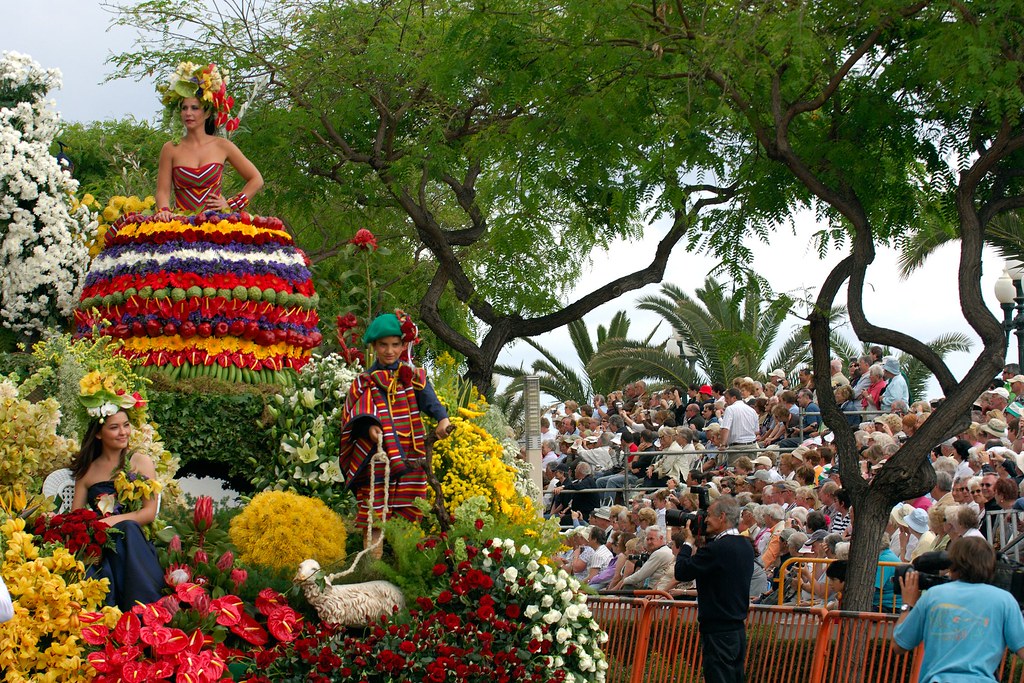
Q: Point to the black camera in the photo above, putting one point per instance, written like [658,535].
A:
[1009,575]
[927,565]
[638,559]
[698,519]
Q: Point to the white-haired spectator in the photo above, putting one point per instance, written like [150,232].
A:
[658,569]
[775,518]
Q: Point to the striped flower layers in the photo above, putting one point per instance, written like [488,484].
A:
[223,295]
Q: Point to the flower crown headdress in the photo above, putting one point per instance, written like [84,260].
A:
[207,83]
[104,392]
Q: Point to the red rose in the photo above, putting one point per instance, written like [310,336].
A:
[404,375]
[440,569]
[364,240]
[347,322]
[407,647]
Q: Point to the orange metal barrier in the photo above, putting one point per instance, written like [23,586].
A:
[809,593]
[1011,670]
[658,641]
[857,646]
[622,619]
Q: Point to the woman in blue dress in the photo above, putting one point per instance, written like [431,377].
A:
[132,566]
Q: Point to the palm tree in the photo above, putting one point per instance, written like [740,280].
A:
[576,380]
[1005,233]
[729,330]
[730,334]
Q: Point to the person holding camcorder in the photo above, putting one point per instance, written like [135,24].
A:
[965,624]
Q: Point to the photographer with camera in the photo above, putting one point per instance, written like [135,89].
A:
[722,567]
[656,571]
[965,624]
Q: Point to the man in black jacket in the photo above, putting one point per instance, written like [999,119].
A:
[722,567]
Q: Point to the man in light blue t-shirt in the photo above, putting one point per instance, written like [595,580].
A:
[966,624]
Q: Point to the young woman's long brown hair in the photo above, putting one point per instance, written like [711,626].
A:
[91,449]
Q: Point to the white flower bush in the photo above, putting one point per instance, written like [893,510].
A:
[555,607]
[307,431]
[43,252]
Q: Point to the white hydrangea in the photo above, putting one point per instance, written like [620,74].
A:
[43,253]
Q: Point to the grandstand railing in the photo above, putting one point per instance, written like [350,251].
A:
[658,641]
[1002,528]
[793,580]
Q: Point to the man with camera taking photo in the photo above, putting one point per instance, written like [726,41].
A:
[722,568]
[965,624]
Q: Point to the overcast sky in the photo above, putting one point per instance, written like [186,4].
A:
[73,35]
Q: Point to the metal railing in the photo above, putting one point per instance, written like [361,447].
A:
[1004,529]
[658,641]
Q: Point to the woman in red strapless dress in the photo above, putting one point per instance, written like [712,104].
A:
[191,170]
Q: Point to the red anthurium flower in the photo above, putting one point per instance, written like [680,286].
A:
[102,663]
[250,630]
[196,640]
[164,641]
[283,624]
[228,610]
[95,634]
[268,600]
[127,630]
[136,672]
[154,614]
[162,668]
[188,592]
[200,667]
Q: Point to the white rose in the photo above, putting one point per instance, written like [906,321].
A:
[567,596]
[547,601]
[560,585]
[532,566]
[572,611]
[509,544]
[530,612]
[562,635]
[552,617]
[510,574]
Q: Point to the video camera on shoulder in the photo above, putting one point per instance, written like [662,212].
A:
[928,567]
[698,519]
[1009,575]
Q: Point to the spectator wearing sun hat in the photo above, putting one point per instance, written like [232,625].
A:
[896,388]
[999,399]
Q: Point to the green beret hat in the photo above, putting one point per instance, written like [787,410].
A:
[384,325]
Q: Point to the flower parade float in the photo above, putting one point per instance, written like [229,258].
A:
[200,292]
[482,601]
[222,295]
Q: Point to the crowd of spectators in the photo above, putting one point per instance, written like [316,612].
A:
[616,468]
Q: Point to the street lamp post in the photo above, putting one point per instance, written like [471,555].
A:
[1010,294]
[682,350]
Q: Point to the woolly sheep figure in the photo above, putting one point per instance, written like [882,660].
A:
[355,604]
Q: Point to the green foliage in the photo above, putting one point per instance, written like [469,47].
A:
[304,434]
[213,433]
[730,330]
[114,157]
[414,558]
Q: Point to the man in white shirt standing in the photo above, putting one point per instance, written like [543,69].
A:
[739,424]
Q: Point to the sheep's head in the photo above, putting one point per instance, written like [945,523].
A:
[307,570]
